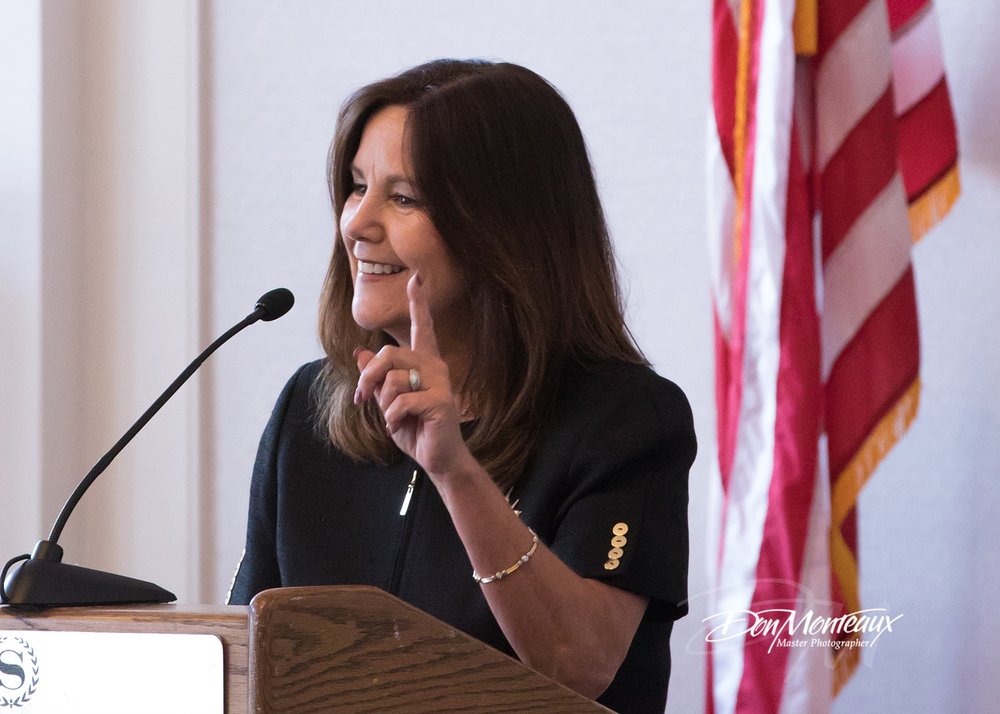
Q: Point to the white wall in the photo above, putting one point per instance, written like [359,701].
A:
[140,186]
[100,280]
[20,272]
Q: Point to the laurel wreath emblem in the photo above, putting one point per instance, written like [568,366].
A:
[23,698]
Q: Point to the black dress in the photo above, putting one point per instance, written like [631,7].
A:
[612,463]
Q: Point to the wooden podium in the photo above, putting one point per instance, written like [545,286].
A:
[337,648]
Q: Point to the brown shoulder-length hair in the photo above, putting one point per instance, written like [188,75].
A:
[503,172]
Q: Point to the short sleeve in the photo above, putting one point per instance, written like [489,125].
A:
[625,520]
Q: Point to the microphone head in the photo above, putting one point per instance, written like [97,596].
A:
[275,303]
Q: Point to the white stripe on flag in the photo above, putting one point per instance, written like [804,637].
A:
[917,61]
[853,75]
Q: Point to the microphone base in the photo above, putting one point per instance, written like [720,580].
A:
[50,583]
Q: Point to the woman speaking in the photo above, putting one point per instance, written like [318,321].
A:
[483,438]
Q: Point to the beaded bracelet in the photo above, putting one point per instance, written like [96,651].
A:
[499,575]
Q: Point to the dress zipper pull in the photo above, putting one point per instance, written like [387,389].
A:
[409,494]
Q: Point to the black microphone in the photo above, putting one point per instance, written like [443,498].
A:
[273,304]
[43,579]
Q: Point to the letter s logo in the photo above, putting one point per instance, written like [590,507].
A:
[10,669]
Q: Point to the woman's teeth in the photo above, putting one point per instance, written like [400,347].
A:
[378,268]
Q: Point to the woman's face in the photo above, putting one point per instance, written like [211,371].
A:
[389,236]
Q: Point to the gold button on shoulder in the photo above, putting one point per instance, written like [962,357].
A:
[611,564]
[619,541]
[615,553]
[620,529]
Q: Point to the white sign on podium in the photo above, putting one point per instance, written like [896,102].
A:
[109,672]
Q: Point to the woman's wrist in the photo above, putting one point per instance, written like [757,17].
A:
[464,472]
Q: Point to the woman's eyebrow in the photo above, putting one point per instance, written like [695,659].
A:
[387,180]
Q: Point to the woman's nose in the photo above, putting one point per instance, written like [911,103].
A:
[360,219]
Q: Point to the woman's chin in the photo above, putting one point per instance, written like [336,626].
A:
[382,323]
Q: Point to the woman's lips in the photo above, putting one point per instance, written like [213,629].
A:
[378,268]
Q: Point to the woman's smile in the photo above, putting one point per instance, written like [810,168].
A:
[368,268]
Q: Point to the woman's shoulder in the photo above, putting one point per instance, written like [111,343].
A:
[300,384]
[619,406]
[297,398]
[307,373]
[611,385]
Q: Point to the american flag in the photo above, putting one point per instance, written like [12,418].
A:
[833,150]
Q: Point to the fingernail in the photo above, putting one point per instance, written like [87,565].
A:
[356,352]
[357,395]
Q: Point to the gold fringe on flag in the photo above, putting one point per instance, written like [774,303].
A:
[845,569]
[879,442]
[740,126]
[934,204]
[805,28]
[846,489]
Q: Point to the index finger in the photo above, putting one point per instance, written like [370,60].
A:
[422,337]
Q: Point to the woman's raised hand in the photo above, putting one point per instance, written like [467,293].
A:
[413,390]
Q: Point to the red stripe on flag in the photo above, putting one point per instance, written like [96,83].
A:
[726,413]
[872,373]
[902,11]
[724,69]
[836,17]
[927,145]
[864,164]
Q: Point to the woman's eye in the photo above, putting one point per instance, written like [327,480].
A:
[358,189]
[405,201]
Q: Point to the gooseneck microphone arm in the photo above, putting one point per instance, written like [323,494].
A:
[260,313]
[270,306]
